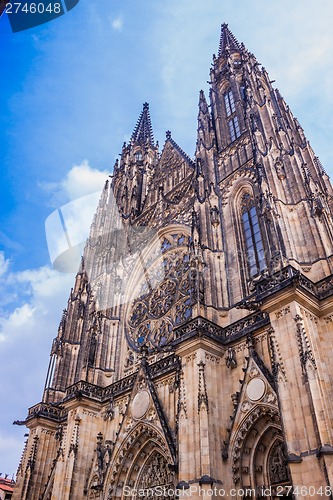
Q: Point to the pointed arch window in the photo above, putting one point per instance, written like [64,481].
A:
[234,128]
[138,156]
[229,103]
[230,108]
[255,252]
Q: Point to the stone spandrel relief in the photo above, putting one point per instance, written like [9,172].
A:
[156,477]
[277,466]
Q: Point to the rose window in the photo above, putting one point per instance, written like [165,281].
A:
[166,296]
[162,298]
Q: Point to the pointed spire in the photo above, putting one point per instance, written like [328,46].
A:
[205,137]
[227,40]
[143,131]
[203,106]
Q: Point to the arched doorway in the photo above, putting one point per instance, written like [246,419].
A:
[259,456]
[143,462]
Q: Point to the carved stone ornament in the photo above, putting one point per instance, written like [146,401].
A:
[165,296]
[156,473]
[280,171]
[278,472]
[230,360]
[140,404]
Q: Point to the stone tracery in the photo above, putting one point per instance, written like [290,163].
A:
[166,296]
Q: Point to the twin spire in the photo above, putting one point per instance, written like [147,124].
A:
[143,132]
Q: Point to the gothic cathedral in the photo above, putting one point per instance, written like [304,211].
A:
[194,357]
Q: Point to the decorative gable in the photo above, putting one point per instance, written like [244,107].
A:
[255,436]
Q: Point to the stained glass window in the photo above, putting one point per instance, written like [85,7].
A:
[229,103]
[168,301]
[230,109]
[234,128]
[252,235]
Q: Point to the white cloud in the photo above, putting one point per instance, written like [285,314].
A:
[31,303]
[67,228]
[21,317]
[38,294]
[4,263]
[117,24]
[27,326]
[82,180]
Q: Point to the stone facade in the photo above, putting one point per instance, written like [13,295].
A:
[195,349]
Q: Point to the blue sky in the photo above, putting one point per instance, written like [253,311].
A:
[71,92]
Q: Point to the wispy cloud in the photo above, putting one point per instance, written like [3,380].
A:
[80,180]
[31,302]
[27,327]
[9,242]
[117,24]
[4,263]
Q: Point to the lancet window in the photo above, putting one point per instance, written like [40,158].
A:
[255,253]
[230,108]
[138,156]
[229,103]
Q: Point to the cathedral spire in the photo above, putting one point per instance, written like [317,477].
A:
[203,107]
[227,41]
[205,130]
[135,168]
[143,132]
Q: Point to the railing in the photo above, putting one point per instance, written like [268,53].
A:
[47,410]
[163,366]
[289,275]
[83,388]
[203,327]
[247,325]
[199,324]
[101,394]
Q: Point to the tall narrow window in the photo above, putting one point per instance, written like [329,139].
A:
[229,103]
[252,235]
[230,109]
[138,156]
[234,128]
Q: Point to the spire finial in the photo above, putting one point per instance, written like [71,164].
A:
[143,131]
[227,40]
[203,106]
